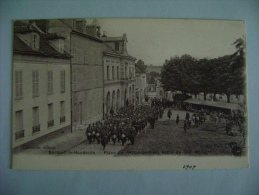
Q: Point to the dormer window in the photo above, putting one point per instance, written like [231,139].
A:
[35,41]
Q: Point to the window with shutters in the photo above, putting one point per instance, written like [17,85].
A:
[18,84]
[118,72]
[126,73]
[35,83]
[19,131]
[74,81]
[35,41]
[50,82]
[62,81]
[50,115]
[62,112]
[108,73]
[35,120]
[113,73]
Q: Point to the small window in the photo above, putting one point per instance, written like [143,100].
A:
[62,112]
[108,74]
[62,81]
[35,41]
[50,115]
[50,82]
[35,83]
[113,77]
[19,131]
[35,120]
[18,84]
[74,82]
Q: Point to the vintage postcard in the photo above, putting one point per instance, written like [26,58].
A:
[129,94]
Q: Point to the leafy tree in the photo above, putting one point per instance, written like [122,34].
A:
[140,65]
[223,75]
[179,74]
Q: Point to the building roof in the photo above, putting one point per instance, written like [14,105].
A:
[22,27]
[86,35]
[111,39]
[114,39]
[230,106]
[45,49]
[52,36]
[110,51]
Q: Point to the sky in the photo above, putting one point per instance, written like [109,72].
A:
[154,40]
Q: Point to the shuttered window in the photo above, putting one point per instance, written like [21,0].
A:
[50,82]
[35,83]
[62,81]
[18,84]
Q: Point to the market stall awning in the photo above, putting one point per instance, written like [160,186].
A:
[229,106]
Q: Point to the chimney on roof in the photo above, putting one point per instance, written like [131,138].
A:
[104,34]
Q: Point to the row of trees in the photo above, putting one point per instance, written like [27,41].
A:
[223,75]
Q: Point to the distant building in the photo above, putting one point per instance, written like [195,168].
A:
[151,68]
[119,73]
[141,87]
[41,84]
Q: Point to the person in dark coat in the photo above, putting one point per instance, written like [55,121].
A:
[112,112]
[169,114]
[185,125]
[187,116]
[177,119]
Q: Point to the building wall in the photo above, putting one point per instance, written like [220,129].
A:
[27,64]
[87,80]
[141,86]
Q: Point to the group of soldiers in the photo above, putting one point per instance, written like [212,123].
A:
[123,126]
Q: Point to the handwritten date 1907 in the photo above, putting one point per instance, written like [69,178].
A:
[189,167]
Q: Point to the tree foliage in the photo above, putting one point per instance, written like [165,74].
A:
[223,75]
[140,65]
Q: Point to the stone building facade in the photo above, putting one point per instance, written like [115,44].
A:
[119,74]
[86,47]
[41,84]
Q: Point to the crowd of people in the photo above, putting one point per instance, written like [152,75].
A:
[125,125]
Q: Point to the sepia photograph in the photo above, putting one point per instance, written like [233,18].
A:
[129,94]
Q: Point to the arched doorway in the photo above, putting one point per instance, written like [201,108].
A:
[113,101]
[130,95]
[108,103]
[125,96]
[118,99]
